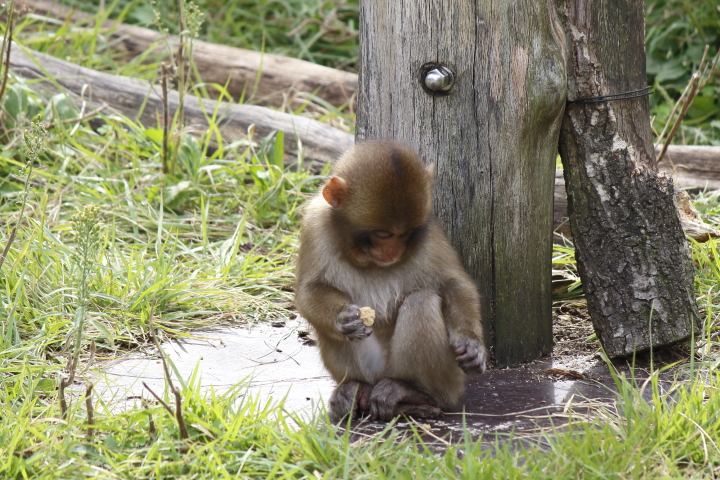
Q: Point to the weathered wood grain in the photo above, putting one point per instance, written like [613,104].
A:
[693,165]
[141,100]
[493,141]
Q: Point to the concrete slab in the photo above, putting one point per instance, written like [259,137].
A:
[274,360]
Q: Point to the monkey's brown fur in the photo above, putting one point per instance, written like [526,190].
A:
[369,239]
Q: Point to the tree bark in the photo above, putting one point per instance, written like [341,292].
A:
[262,78]
[630,248]
[142,101]
[492,140]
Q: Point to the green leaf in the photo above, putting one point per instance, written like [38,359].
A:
[63,108]
[702,106]
[46,384]
[104,296]
[143,14]
[103,330]
[279,154]
[14,102]
[154,134]
[670,70]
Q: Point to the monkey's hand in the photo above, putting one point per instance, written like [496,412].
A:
[470,354]
[350,324]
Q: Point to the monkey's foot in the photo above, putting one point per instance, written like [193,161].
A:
[418,411]
[388,394]
[349,398]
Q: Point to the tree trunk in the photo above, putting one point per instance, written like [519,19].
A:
[492,139]
[631,252]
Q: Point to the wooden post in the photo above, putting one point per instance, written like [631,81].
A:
[631,251]
[493,140]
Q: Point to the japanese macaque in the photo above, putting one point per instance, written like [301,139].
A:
[369,239]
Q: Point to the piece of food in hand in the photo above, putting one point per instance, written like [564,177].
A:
[367,315]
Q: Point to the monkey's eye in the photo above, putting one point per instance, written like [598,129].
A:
[382,234]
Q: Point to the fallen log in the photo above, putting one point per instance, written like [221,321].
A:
[279,76]
[138,99]
[692,224]
[692,167]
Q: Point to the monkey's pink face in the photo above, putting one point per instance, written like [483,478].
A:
[387,247]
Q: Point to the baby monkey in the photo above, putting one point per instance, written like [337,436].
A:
[369,239]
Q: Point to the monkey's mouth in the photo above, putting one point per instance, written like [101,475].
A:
[384,257]
[385,264]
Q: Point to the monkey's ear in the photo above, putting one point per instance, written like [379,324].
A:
[430,169]
[335,191]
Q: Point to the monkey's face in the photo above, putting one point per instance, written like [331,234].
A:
[382,247]
[374,230]
[380,196]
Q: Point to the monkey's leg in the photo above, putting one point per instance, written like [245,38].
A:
[349,398]
[355,366]
[423,368]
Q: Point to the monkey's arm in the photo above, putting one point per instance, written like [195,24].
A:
[330,311]
[461,312]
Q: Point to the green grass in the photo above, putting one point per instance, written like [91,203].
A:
[315,30]
[232,434]
[212,244]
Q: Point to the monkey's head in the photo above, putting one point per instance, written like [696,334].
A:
[381,195]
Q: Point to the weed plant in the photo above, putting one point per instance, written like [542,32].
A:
[676,35]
